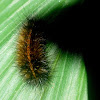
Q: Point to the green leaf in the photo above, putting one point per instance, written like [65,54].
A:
[69,78]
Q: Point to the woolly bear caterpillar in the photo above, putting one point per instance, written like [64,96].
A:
[31,54]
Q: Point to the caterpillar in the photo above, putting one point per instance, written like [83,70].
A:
[31,53]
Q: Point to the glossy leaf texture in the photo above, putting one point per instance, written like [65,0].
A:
[69,78]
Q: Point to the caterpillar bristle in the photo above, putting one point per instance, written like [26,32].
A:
[31,53]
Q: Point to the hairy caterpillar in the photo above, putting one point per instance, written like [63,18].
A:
[31,53]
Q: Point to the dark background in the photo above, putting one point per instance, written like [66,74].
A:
[74,30]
